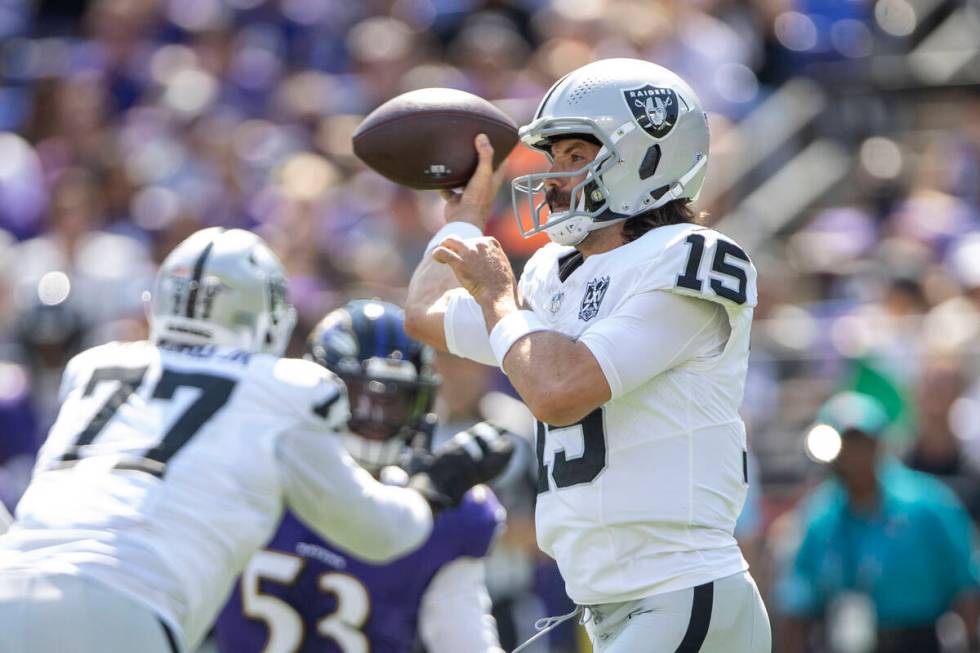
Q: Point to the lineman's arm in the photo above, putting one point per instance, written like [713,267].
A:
[455,610]
[431,284]
[344,503]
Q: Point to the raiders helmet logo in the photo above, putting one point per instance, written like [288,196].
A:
[654,109]
[595,290]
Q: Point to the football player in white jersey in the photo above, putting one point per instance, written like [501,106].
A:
[628,338]
[171,461]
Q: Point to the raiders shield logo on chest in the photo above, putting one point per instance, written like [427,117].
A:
[595,290]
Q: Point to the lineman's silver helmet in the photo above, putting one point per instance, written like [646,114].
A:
[222,287]
[654,138]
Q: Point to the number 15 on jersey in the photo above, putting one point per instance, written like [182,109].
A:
[567,462]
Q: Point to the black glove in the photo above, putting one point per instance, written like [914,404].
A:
[474,456]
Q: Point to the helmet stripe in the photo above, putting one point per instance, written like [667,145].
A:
[196,278]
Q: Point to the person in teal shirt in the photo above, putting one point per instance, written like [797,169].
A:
[885,550]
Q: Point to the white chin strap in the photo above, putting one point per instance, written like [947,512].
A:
[573,231]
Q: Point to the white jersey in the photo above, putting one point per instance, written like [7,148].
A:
[641,496]
[168,467]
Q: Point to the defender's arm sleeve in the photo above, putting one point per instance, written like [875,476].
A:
[466,330]
[344,504]
[653,332]
[455,611]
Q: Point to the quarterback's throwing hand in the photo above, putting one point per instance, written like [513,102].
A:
[480,266]
[474,203]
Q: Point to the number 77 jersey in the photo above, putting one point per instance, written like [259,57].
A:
[641,496]
[160,478]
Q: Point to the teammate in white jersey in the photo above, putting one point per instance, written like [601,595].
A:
[628,338]
[171,461]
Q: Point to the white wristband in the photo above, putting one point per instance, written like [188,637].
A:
[458,229]
[511,329]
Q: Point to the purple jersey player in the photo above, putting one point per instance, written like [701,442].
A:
[305,595]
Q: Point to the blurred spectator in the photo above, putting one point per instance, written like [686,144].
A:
[937,449]
[885,551]
[95,263]
[18,433]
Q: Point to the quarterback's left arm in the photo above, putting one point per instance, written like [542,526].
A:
[455,611]
[431,289]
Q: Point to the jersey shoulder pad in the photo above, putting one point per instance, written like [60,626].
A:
[698,262]
[111,354]
[475,523]
[310,391]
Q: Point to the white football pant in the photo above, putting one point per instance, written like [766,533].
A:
[725,616]
[60,613]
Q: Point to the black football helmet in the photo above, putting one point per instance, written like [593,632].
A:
[390,379]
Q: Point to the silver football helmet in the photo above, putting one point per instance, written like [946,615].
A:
[654,146]
[222,287]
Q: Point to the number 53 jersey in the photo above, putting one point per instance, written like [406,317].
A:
[640,497]
[306,595]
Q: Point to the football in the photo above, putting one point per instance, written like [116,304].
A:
[424,139]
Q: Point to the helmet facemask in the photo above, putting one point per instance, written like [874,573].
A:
[274,328]
[588,207]
[387,412]
[391,383]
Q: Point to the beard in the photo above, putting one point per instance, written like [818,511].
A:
[558,200]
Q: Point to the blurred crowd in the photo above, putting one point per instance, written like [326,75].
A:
[127,124]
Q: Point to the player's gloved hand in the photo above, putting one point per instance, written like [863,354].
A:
[473,456]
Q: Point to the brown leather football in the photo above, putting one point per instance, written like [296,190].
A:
[424,139]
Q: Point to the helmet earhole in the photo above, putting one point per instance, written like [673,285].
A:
[650,162]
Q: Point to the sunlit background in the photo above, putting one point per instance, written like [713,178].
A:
[845,160]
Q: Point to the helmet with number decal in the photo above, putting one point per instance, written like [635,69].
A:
[653,136]
[391,383]
[222,287]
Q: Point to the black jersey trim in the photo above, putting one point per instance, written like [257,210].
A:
[568,264]
[171,640]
